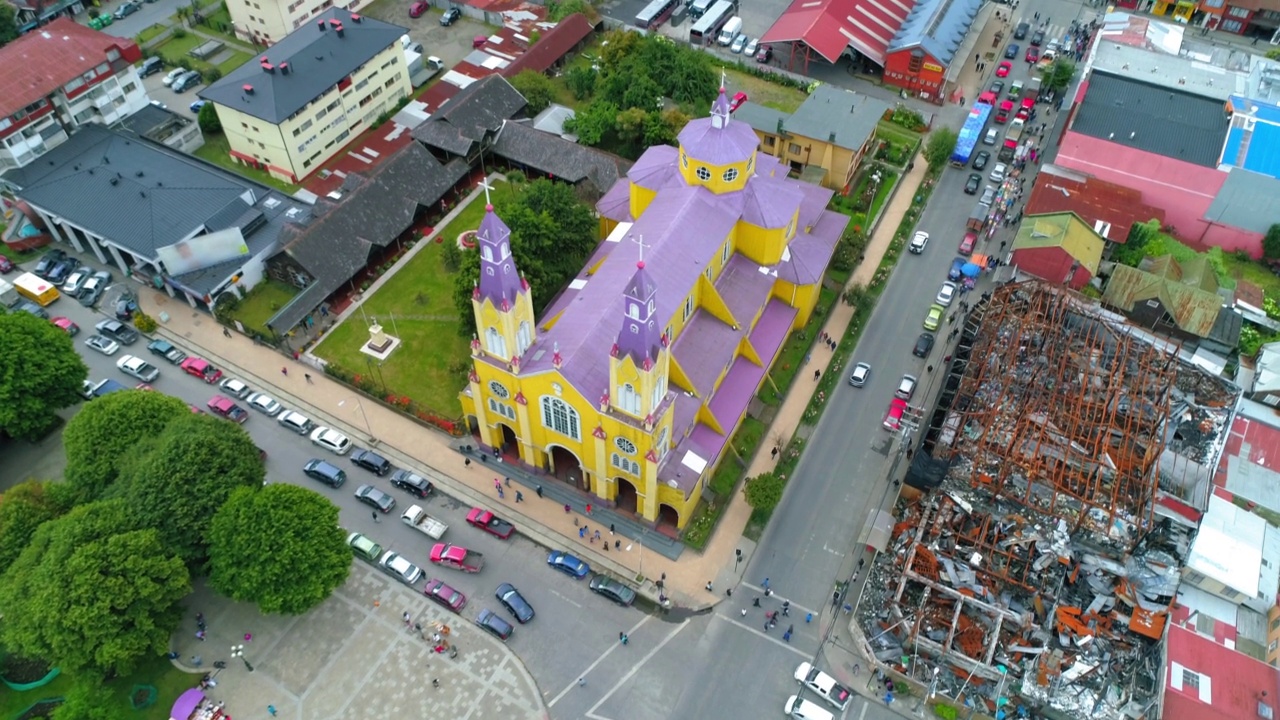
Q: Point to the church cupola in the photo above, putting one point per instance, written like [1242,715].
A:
[717,153]
[500,284]
[639,359]
[501,301]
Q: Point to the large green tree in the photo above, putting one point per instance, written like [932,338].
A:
[8,23]
[536,88]
[40,372]
[89,699]
[1271,243]
[108,430]
[25,507]
[593,123]
[279,547]
[939,146]
[185,475]
[93,592]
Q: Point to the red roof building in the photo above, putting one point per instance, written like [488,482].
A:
[59,77]
[1205,680]
[827,27]
[1108,208]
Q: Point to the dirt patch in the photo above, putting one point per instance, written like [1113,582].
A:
[40,710]
[20,670]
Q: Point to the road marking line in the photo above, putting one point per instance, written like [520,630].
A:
[768,637]
[794,606]
[562,597]
[635,668]
[600,659]
[863,714]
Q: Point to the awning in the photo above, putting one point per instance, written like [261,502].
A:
[879,529]
[186,704]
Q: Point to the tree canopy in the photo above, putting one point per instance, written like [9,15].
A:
[939,146]
[40,372]
[89,699]
[92,592]
[1271,243]
[105,432]
[279,547]
[185,475]
[552,234]
[536,88]
[8,23]
[23,508]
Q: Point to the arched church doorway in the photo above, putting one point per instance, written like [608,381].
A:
[668,517]
[628,500]
[566,466]
[510,447]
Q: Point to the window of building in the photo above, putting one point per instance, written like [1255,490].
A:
[390,81]
[793,148]
[1238,12]
[629,466]
[625,445]
[730,175]
[661,449]
[688,307]
[659,391]
[495,343]
[704,174]
[684,160]
[916,63]
[1272,647]
[707,273]
[559,416]
[751,163]
[502,409]
[629,399]
[770,141]
[791,229]
[1190,679]
[724,253]
[128,88]
[498,390]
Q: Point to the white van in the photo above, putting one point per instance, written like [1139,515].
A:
[804,710]
[730,31]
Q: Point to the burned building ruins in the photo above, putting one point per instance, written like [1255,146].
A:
[1039,551]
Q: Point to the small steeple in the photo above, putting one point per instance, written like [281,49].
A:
[720,109]
[500,283]
[640,336]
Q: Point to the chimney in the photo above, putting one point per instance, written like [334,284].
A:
[337,27]
[356,18]
[248,89]
[284,68]
[268,67]
[323,27]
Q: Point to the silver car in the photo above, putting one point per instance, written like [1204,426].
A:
[235,388]
[397,567]
[102,345]
[264,404]
[861,372]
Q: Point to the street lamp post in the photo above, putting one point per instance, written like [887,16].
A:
[360,407]
[237,651]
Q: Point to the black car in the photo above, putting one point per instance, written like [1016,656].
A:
[117,331]
[166,350]
[612,589]
[1037,38]
[971,185]
[997,87]
[325,472]
[924,344]
[514,602]
[495,625]
[1011,51]
[151,66]
[450,16]
[27,306]
[415,485]
[126,306]
[371,461]
[58,273]
[47,263]
[981,160]
[1021,31]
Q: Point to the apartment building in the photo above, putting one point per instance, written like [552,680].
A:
[59,77]
[299,102]
[266,22]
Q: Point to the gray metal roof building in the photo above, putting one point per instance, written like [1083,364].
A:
[304,65]
[841,117]
[937,27]
[1247,200]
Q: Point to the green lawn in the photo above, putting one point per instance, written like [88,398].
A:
[1252,271]
[159,673]
[176,49]
[896,133]
[149,32]
[763,92]
[233,61]
[216,150]
[415,304]
[262,303]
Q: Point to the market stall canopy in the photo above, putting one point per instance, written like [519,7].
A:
[970,270]
[186,704]
[879,529]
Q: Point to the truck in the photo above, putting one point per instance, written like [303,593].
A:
[490,523]
[418,519]
[457,557]
[108,386]
[971,133]
[1011,138]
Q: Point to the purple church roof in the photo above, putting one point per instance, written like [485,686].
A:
[499,281]
[641,333]
[770,202]
[656,169]
[718,140]
[616,204]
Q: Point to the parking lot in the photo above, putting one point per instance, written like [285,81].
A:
[450,44]
[756,16]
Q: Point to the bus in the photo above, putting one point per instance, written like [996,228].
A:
[36,289]
[704,31]
[971,133]
[656,13]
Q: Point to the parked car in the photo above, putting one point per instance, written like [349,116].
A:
[991,136]
[918,242]
[296,421]
[27,306]
[66,325]
[998,172]
[1020,32]
[117,331]
[201,368]
[612,589]
[264,404]
[137,367]
[490,523]
[418,8]
[924,344]
[933,318]
[375,498]
[493,624]
[75,282]
[394,564]
[1002,70]
[166,350]
[861,373]
[127,8]
[102,345]
[946,294]
[953,272]
[752,47]
[235,388]
[60,272]
[227,408]
[6,265]
[445,595]
[415,485]
[966,245]
[1011,51]
[739,43]
[364,547]
[450,16]
[988,195]
[189,80]
[1037,38]
[173,76]
[906,387]
[997,87]
[324,471]
[49,261]
[971,185]
[568,564]
[823,685]
[151,66]
[514,602]
[764,54]
[331,440]
[981,159]
[196,106]
[371,461]
[93,288]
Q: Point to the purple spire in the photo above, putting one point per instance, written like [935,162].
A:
[499,281]
[720,110]
[640,336]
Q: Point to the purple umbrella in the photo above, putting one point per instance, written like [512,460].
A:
[970,270]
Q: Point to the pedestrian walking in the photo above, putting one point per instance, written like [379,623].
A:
[200,635]
[744,612]
[466,462]
[596,536]
[617,544]
[588,508]
[567,509]
[284,371]
[773,454]
[271,709]
[709,586]
[501,495]
[786,636]
[375,516]
[768,592]
[538,490]
[817,374]
[196,660]
[808,618]
[610,528]
[307,377]
[582,532]
[728,592]
[582,682]
[248,637]
[755,602]
[407,619]
[226,333]
[497,484]
[435,683]
[507,481]
[519,496]
[786,607]
[606,546]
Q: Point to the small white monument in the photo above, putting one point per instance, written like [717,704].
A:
[380,344]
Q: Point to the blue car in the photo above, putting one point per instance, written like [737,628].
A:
[195,106]
[956,264]
[568,564]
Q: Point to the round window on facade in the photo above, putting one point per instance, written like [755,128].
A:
[625,445]
[498,390]
[730,175]
[704,174]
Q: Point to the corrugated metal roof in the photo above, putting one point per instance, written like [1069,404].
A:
[1247,200]
[829,26]
[1180,289]
[1108,208]
[938,27]
[1063,230]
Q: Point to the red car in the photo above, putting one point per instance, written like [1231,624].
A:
[64,324]
[445,595]
[224,406]
[417,9]
[1033,54]
[1002,70]
[966,245]
[6,265]
[196,367]
[490,523]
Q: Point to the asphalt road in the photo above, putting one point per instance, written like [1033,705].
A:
[573,627]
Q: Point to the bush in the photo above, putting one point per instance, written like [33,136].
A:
[938,149]
[907,118]
[208,119]
[764,491]
[212,75]
[179,33]
[144,322]
[581,81]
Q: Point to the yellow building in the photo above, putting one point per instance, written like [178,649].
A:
[266,22]
[633,381]
[300,102]
[825,139]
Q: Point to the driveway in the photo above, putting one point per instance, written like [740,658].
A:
[177,102]
[450,44]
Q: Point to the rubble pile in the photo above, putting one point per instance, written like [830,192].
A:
[1037,569]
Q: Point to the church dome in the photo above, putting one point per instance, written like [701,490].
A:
[718,140]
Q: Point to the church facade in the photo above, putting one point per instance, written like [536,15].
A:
[634,380]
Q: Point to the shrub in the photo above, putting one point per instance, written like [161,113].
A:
[212,75]
[179,33]
[907,118]
[144,322]
[764,491]
[208,119]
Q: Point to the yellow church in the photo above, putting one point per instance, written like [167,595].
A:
[635,379]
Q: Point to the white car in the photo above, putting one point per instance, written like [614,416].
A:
[331,440]
[264,404]
[296,422]
[137,367]
[751,48]
[173,75]
[75,281]
[906,387]
[805,710]
[397,567]
[823,685]
[739,43]
[998,172]
[102,345]
[235,388]
[918,242]
[861,372]
[946,294]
